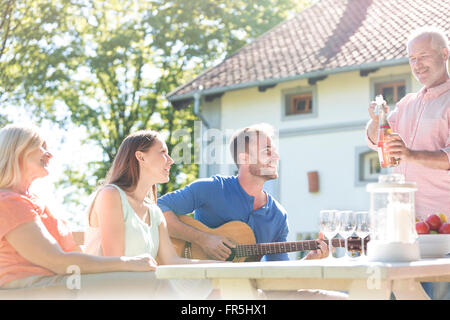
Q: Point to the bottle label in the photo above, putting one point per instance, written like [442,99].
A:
[386,126]
[380,155]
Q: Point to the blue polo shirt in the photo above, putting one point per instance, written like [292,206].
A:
[221,199]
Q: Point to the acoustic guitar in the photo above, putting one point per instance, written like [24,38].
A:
[246,248]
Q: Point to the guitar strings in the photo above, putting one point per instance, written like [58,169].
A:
[246,250]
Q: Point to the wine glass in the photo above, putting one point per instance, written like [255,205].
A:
[347,225]
[328,226]
[362,228]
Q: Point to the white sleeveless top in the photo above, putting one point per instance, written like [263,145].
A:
[140,238]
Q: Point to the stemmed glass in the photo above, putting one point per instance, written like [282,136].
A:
[329,228]
[362,228]
[347,225]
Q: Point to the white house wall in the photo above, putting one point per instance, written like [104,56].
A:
[332,155]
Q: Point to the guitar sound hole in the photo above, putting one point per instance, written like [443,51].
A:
[232,255]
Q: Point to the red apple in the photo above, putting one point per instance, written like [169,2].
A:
[445,228]
[434,221]
[422,227]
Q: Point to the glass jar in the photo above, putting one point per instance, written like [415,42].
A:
[392,219]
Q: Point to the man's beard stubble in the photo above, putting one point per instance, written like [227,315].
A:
[258,170]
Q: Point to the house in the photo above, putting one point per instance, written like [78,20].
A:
[312,78]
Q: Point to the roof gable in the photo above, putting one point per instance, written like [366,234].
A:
[330,36]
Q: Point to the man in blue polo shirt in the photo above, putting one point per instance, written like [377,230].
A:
[220,199]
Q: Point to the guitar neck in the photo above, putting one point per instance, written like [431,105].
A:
[260,249]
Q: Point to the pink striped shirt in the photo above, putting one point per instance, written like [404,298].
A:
[422,119]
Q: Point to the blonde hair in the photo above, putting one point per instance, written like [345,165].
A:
[16,142]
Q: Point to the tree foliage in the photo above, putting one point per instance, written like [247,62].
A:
[29,53]
[108,65]
[3,121]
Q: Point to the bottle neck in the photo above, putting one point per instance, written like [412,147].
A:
[382,118]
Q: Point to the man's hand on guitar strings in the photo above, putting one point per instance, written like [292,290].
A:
[217,247]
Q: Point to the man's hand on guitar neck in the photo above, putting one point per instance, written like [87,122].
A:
[320,253]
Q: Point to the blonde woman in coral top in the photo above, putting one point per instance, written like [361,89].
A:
[37,249]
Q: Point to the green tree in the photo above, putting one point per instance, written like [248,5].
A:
[30,53]
[108,65]
[3,121]
[6,7]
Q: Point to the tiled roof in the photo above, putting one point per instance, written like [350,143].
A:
[331,35]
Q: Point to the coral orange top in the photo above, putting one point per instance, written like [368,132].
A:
[15,210]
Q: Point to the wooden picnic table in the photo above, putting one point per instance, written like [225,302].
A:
[361,279]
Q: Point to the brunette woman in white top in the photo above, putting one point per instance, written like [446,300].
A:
[124,219]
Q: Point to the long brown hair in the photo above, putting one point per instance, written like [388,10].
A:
[124,171]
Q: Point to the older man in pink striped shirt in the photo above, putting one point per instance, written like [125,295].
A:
[421,122]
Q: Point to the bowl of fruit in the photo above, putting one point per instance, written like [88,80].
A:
[434,236]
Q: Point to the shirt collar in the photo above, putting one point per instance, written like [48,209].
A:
[251,199]
[236,179]
[437,91]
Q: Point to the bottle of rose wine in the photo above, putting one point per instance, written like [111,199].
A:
[383,131]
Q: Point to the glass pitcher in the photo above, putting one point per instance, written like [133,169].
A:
[392,220]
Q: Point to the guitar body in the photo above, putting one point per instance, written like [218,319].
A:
[238,232]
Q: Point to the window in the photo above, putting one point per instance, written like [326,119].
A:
[367,166]
[299,102]
[370,167]
[391,91]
